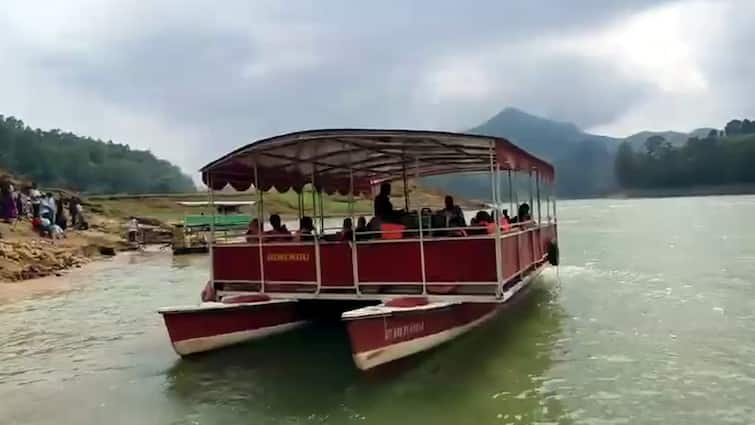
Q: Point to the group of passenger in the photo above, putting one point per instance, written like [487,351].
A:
[387,219]
[279,232]
[388,223]
[306,232]
[46,212]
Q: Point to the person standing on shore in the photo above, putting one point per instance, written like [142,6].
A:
[133,230]
[36,198]
[48,207]
[73,211]
[60,217]
[8,211]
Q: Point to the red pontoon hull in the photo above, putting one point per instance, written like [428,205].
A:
[214,325]
[382,334]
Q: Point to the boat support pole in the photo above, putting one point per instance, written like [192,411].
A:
[421,236]
[318,271]
[539,205]
[354,263]
[260,219]
[406,187]
[211,240]
[495,168]
[511,196]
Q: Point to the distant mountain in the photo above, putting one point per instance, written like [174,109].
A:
[583,161]
[541,136]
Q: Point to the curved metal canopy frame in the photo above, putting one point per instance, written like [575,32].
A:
[331,158]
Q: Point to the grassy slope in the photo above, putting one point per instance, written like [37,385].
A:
[164,207]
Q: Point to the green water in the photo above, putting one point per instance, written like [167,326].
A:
[651,320]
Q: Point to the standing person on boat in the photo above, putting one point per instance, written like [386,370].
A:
[453,212]
[133,230]
[383,206]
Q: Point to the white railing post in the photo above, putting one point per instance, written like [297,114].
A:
[354,258]
[318,272]
[512,207]
[261,223]
[421,236]
[211,240]
[494,170]
[539,205]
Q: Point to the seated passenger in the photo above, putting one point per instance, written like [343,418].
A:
[347,231]
[306,229]
[483,218]
[253,231]
[278,229]
[453,211]
[361,228]
[505,221]
[480,221]
[524,214]
[373,226]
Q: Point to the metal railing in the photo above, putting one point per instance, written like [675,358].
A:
[420,236]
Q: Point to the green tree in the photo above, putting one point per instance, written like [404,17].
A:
[63,159]
[626,168]
[733,127]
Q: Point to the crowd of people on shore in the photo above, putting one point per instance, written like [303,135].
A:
[388,223]
[49,216]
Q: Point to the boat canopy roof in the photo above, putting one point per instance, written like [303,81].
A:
[216,203]
[331,158]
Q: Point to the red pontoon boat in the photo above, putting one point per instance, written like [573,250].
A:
[416,280]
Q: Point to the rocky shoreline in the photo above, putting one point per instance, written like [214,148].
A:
[30,259]
[25,255]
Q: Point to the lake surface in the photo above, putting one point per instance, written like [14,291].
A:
[650,320]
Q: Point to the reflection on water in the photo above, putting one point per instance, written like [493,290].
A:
[309,374]
[648,321]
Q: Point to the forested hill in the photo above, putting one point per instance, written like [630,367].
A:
[720,158]
[57,159]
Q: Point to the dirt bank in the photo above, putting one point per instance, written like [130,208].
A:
[25,255]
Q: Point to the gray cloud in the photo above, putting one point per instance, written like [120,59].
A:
[193,80]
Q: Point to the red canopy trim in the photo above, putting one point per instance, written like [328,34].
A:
[330,158]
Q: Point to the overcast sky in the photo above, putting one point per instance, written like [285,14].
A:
[191,80]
